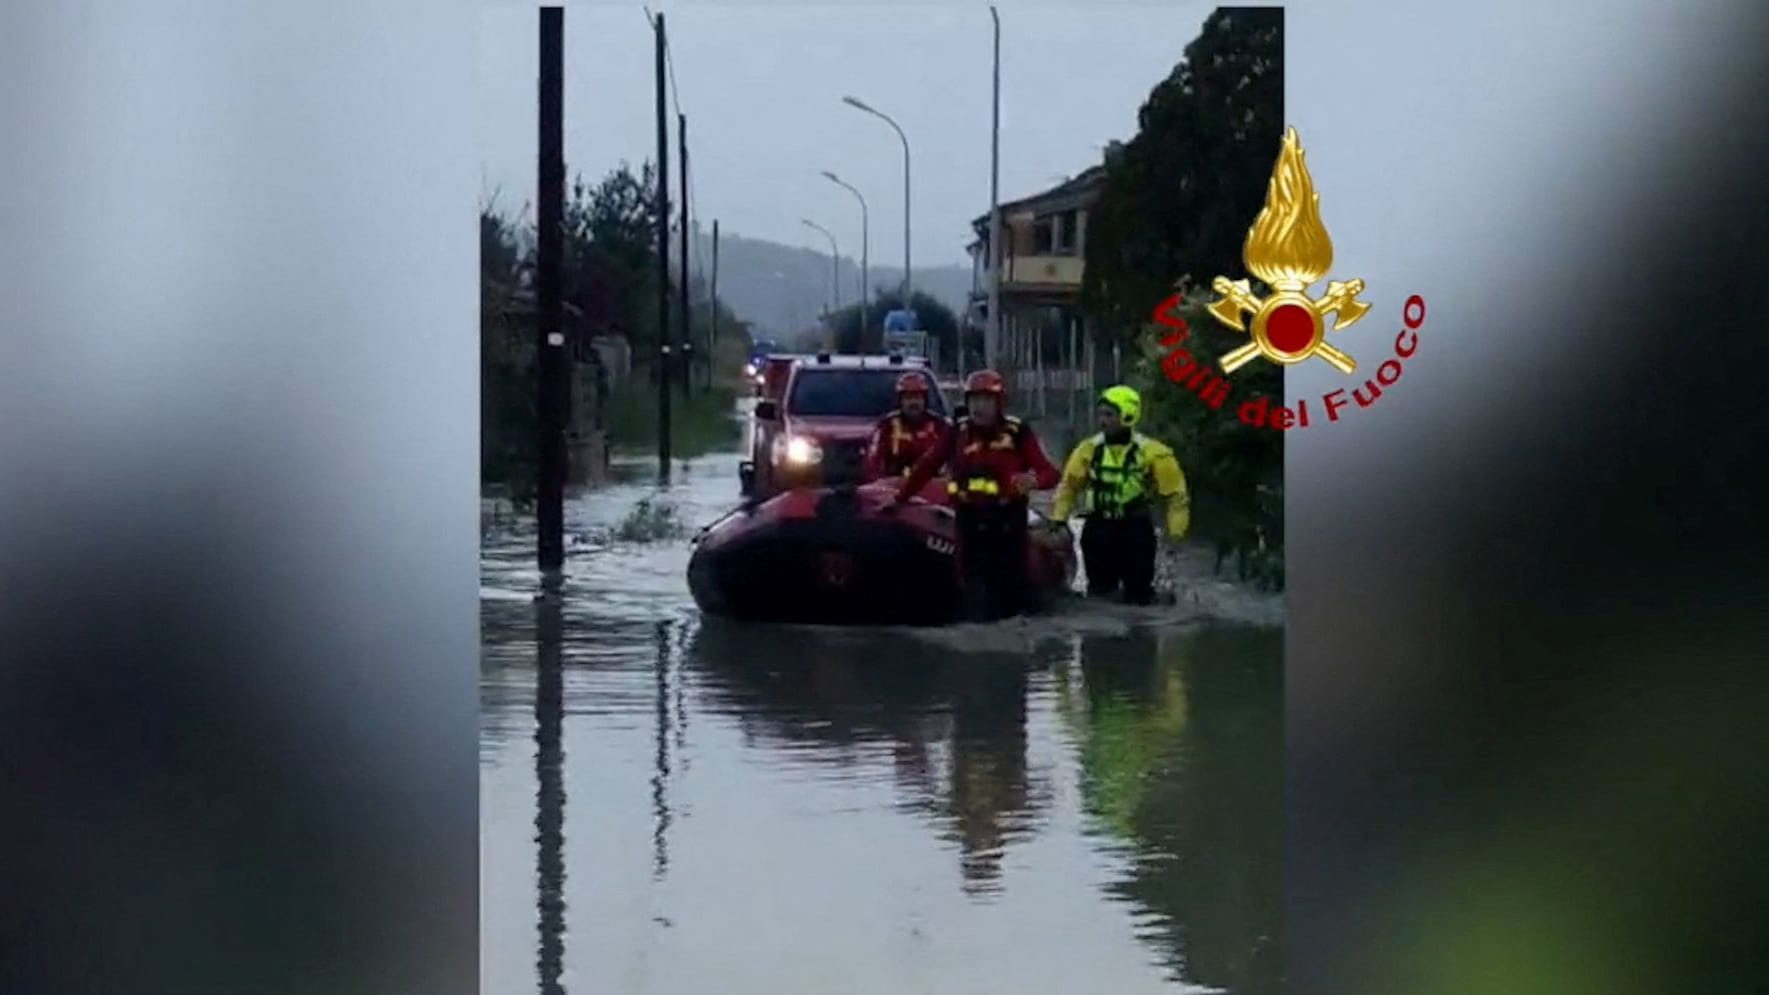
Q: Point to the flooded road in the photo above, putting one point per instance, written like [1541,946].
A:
[1089,802]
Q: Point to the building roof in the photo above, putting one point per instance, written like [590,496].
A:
[1075,189]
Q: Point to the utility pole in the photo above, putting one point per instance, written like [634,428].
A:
[712,344]
[834,303]
[992,332]
[686,318]
[663,265]
[553,385]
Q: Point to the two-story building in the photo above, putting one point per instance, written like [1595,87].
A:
[1044,243]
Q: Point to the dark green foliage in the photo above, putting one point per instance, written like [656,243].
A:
[1179,196]
[611,256]
[1235,470]
[936,319]
[507,414]
[1175,205]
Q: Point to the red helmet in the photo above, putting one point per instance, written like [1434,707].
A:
[985,382]
[911,383]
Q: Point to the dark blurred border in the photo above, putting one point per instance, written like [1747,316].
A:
[238,631]
[1526,696]
[238,571]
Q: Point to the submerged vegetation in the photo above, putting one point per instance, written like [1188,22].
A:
[652,519]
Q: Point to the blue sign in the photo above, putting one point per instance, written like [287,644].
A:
[901,320]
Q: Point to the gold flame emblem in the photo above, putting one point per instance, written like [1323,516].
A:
[1288,249]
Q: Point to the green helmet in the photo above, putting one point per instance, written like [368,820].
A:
[1126,400]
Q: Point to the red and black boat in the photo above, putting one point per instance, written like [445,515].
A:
[830,555]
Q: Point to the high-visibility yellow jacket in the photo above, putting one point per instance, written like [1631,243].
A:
[1111,478]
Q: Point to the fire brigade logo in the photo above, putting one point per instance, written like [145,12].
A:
[1288,249]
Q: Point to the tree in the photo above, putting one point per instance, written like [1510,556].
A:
[506,360]
[611,256]
[609,264]
[1178,197]
[1175,206]
[936,319]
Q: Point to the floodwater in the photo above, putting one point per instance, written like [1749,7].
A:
[1087,802]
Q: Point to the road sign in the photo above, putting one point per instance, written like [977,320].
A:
[900,320]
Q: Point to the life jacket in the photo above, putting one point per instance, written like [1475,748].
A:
[904,444]
[1117,478]
[985,461]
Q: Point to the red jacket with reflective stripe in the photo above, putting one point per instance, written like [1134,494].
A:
[998,453]
[897,444]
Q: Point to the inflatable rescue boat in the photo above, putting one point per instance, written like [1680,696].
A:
[830,555]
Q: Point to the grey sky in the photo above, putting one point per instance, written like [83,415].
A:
[762,87]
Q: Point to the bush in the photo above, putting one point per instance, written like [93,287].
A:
[651,520]
[1235,472]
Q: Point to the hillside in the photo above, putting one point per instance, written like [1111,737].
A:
[780,288]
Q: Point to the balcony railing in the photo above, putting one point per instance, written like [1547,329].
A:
[1037,271]
[1026,381]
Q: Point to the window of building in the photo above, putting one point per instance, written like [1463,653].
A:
[1044,236]
[1068,233]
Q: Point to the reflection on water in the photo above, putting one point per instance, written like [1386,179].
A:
[955,729]
[549,818]
[782,810]
[660,857]
[1180,748]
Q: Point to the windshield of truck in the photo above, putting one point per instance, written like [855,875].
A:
[852,393]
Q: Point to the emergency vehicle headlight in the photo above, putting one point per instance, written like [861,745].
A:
[749,369]
[796,450]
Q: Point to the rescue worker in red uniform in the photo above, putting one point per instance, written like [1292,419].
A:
[905,435]
[993,463]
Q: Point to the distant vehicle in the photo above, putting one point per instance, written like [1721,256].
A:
[759,350]
[814,433]
[770,385]
[770,377]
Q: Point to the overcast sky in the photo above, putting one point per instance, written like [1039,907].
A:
[762,87]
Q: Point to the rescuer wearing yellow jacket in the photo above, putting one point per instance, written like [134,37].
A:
[1120,474]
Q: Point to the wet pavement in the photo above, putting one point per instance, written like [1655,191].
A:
[1086,802]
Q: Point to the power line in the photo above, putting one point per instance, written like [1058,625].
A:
[694,213]
[697,260]
[669,61]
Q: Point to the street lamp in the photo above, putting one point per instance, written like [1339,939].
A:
[834,266]
[992,333]
[865,242]
[859,104]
